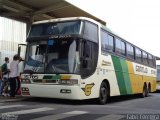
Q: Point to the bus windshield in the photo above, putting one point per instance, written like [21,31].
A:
[53,56]
[55,28]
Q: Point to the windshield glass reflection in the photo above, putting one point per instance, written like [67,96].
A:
[54,56]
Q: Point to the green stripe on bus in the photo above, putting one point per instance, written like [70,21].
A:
[47,76]
[56,77]
[52,77]
[126,76]
[119,75]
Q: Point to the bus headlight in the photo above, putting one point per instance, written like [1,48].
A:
[69,82]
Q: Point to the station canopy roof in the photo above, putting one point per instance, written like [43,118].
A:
[37,10]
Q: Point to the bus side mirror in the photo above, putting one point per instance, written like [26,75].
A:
[86,55]
[19,50]
[84,63]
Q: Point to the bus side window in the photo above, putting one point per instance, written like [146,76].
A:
[130,51]
[145,57]
[106,41]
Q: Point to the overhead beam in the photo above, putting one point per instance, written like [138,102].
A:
[10,8]
[13,14]
[15,5]
[56,6]
[15,9]
[27,15]
[48,16]
[19,10]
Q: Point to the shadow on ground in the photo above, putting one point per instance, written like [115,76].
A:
[158,91]
[84,102]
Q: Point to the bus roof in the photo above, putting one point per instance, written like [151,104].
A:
[91,20]
[67,19]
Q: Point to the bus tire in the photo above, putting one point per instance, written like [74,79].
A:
[145,91]
[149,88]
[103,93]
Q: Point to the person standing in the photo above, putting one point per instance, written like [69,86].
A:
[18,83]
[0,78]
[13,74]
[5,74]
[0,73]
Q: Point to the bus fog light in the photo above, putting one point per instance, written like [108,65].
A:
[25,89]
[25,81]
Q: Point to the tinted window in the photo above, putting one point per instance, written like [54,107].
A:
[145,60]
[123,48]
[154,62]
[120,47]
[55,28]
[130,51]
[138,55]
[91,31]
[150,60]
[107,41]
[111,42]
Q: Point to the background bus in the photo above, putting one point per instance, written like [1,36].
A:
[158,78]
[78,58]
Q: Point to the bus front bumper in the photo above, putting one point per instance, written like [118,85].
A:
[53,91]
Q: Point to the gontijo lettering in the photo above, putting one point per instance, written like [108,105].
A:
[141,69]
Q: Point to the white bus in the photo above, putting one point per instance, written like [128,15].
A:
[78,58]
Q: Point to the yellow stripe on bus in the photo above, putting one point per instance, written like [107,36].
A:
[131,75]
[65,77]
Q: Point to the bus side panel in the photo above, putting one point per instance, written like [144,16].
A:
[132,76]
[123,78]
[139,83]
[126,76]
[143,74]
[153,84]
[107,72]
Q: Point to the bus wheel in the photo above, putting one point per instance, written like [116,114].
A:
[149,88]
[145,91]
[103,94]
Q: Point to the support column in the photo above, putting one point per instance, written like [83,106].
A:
[29,23]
